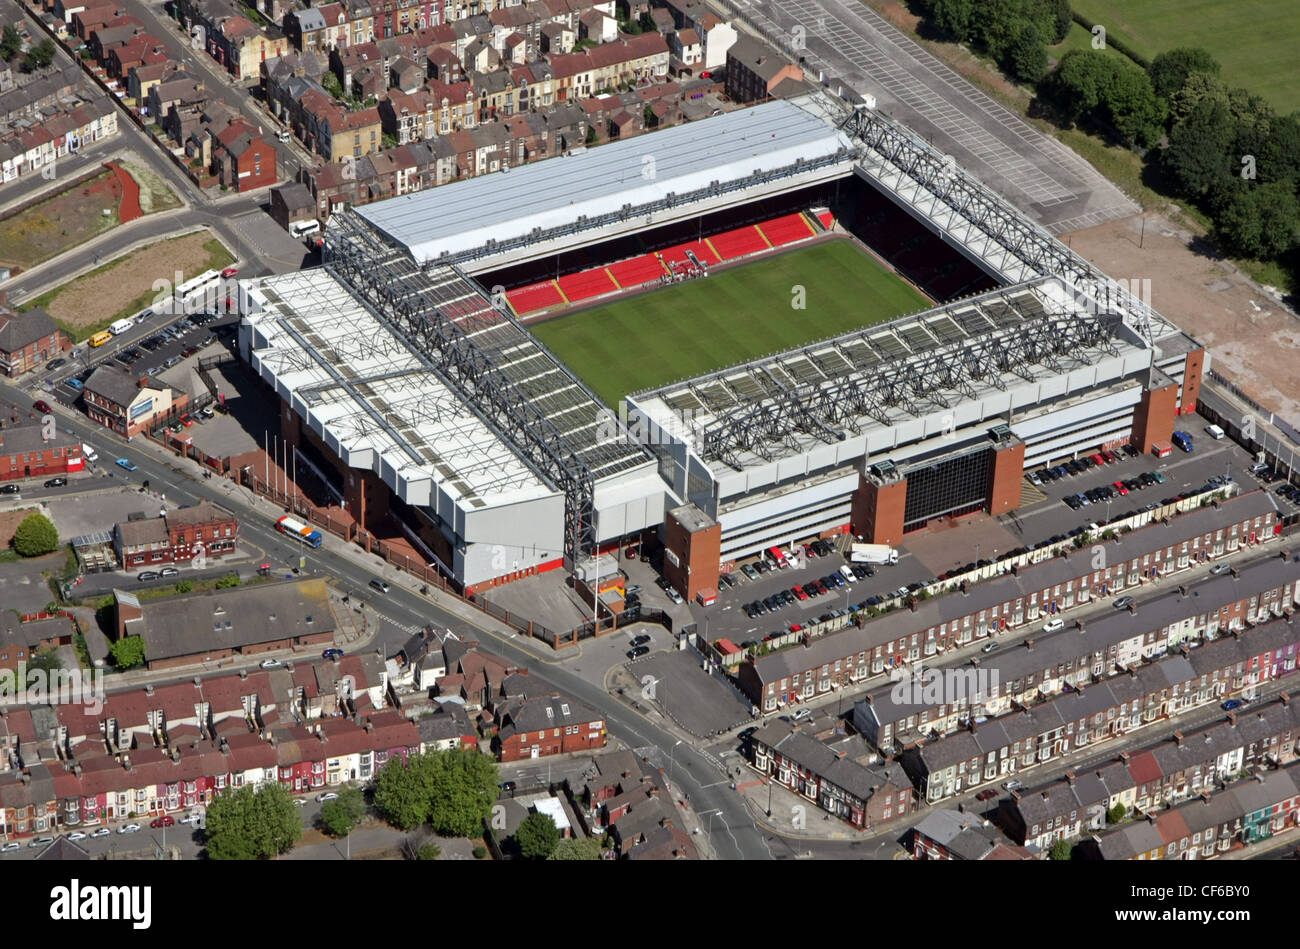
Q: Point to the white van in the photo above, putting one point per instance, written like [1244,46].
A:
[847,573]
[303,228]
[89,453]
[121,326]
[1214,431]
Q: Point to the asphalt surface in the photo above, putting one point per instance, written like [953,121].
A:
[735,835]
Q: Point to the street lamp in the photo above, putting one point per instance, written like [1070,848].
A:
[671,752]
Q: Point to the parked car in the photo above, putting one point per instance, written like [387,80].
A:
[55,364]
[1219,568]
[196,819]
[78,835]
[1231,704]
[270,664]
[636,652]
[1011,785]
[990,646]
[207,413]
[1121,488]
[332,653]
[801,715]
[102,832]
[1052,625]
[1123,603]
[11,847]
[169,572]
[128,829]
[378,585]
[986,794]
[41,842]
[145,575]
[165,821]
[187,421]
[327,796]
[229,272]
[40,405]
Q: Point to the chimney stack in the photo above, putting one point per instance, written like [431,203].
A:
[1178,739]
[1236,573]
[1029,644]
[1069,777]
[148,689]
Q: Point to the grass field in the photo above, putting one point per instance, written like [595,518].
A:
[726,318]
[1254,40]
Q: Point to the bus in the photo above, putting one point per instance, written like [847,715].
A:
[296,528]
[100,338]
[121,326]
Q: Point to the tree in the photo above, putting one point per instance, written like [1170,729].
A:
[577,848]
[1198,154]
[39,56]
[537,837]
[402,792]
[1117,813]
[1078,82]
[184,586]
[1061,850]
[11,41]
[252,824]
[1198,86]
[1260,221]
[1058,12]
[36,536]
[330,83]
[1132,106]
[955,17]
[592,135]
[343,813]
[1027,56]
[429,851]
[128,652]
[1169,70]
[464,784]
[1280,157]
[227,582]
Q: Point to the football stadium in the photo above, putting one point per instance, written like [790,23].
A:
[782,322]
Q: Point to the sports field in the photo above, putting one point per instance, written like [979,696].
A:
[1254,40]
[728,317]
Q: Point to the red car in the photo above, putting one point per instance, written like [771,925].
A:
[1119,486]
[187,421]
[230,271]
[1099,459]
[799,592]
[986,794]
[40,405]
[164,821]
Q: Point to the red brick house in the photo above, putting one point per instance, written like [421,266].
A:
[116,401]
[546,725]
[28,339]
[26,453]
[176,537]
[243,160]
[19,641]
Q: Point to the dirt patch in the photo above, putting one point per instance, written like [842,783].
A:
[1251,337]
[60,222]
[131,283]
[155,195]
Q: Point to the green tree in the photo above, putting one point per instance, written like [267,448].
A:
[1169,70]
[11,41]
[1079,81]
[1027,56]
[1198,154]
[1117,813]
[537,837]
[1279,159]
[1132,107]
[331,84]
[464,784]
[955,17]
[227,582]
[343,813]
[1059,15]
[252,824]
[1260,221]
[128,652]
[39,56]
[429,851]
[36,536]
[184,586]
[402,791]
[1199,86]
[592,135]
[1062,849]
[577,848]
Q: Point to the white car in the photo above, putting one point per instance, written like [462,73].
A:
[102,832]
[327,796]
[128,829]
[191,819]
[1052,625]
[300,801]
[11,847]
[41,842]
[77,835]
[270,664]
[802,714]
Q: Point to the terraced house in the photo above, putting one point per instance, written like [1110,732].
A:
[999,748]
[1025,595]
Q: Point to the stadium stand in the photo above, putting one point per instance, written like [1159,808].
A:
[827,218]
[786,230]
[739,242]
[677,253]
[637,271]
[587,284]
[537,296]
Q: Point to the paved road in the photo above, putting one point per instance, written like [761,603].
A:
[851,44]
[734,834]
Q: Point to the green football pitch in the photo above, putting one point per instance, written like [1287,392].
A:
[731,316]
